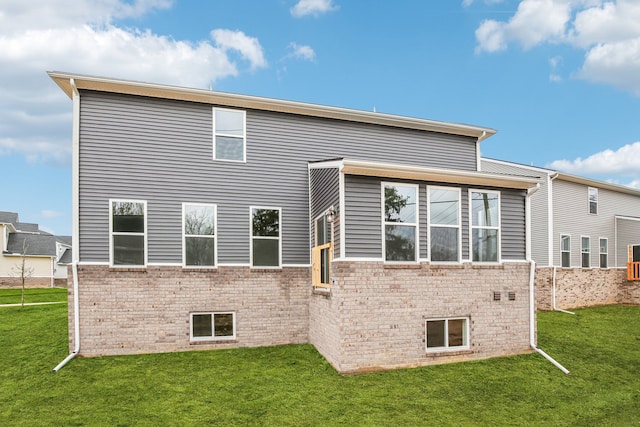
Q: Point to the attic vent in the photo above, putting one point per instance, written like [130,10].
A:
[496,296]
[512,296]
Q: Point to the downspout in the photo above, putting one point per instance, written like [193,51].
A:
[75,137]
[532,276]
[554,294]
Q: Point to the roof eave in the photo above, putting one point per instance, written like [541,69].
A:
[63,80]
[450,176]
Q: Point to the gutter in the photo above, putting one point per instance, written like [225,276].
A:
[532,275]
[76,229]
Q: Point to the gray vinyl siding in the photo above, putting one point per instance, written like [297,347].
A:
[363,210]
[628,234]
[571,216]
[513,225]
[539,206]
[324,192]
[160,151]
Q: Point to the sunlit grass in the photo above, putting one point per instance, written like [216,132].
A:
[294,385]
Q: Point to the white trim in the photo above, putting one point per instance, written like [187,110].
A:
[164,264]
[360,259]
[213,337]
[329,164]
[75,182]
[111,233]
[252,237]
[244,134]
[458,226]
[498,227]
[214,236]
[415,224]
[341,211]
[466,339]
[551,222]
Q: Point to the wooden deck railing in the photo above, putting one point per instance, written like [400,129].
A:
[633,271]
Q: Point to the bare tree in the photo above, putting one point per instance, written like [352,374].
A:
[21,271]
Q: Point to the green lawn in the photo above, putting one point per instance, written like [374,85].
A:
[13,295]
[293,385]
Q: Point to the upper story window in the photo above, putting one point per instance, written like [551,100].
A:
[265,237]
[400,219]
[229,135]
[128,232]
[593,200]
[198,235]
[444,224]
[586,252]
[485,225]
[565,250]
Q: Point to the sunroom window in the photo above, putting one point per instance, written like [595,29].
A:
[400,217]
[485,225]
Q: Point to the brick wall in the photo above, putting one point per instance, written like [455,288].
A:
[30,282]
[584,287]
[374,317]
[127,311]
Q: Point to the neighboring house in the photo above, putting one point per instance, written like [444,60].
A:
[46,256]
[207,220]
[584,233]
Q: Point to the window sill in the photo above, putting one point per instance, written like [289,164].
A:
[326,292]
[449,352]
[214,341]
[401,265]
[140,269]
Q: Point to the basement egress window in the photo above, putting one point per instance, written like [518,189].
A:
[447,334]
[213,326]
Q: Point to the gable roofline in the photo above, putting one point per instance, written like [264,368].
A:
[128,87]
[423,173]
[572,178]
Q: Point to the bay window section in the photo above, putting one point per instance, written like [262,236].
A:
[400,219]
[444,224]
[199,235]
[229,135]
[565,250]
[265,237]
[128,232]
[585,251]
[485,226]
[604,252]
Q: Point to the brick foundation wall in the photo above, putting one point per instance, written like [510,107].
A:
[30,282]
[129,311]
[374,317]
[584,287]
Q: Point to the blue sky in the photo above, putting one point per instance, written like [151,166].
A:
[558,79]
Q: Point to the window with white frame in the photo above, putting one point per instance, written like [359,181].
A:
[604,252]
[565,250]
[265,237]
[585,251]
[444,224]
[485,226]
[198,235]
[444,334]
[208,326]
[593,200]
[229,134]
[400,219]
[128,232]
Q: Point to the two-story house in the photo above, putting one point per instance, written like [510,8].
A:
[585,238]
[206,220]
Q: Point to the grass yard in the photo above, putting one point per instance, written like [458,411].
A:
[31,295]
[293,385]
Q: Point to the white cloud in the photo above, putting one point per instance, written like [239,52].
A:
[80,36]
[624,161]
[47,213]
[302,51]
[312,7]
[608,32]
[248,47]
